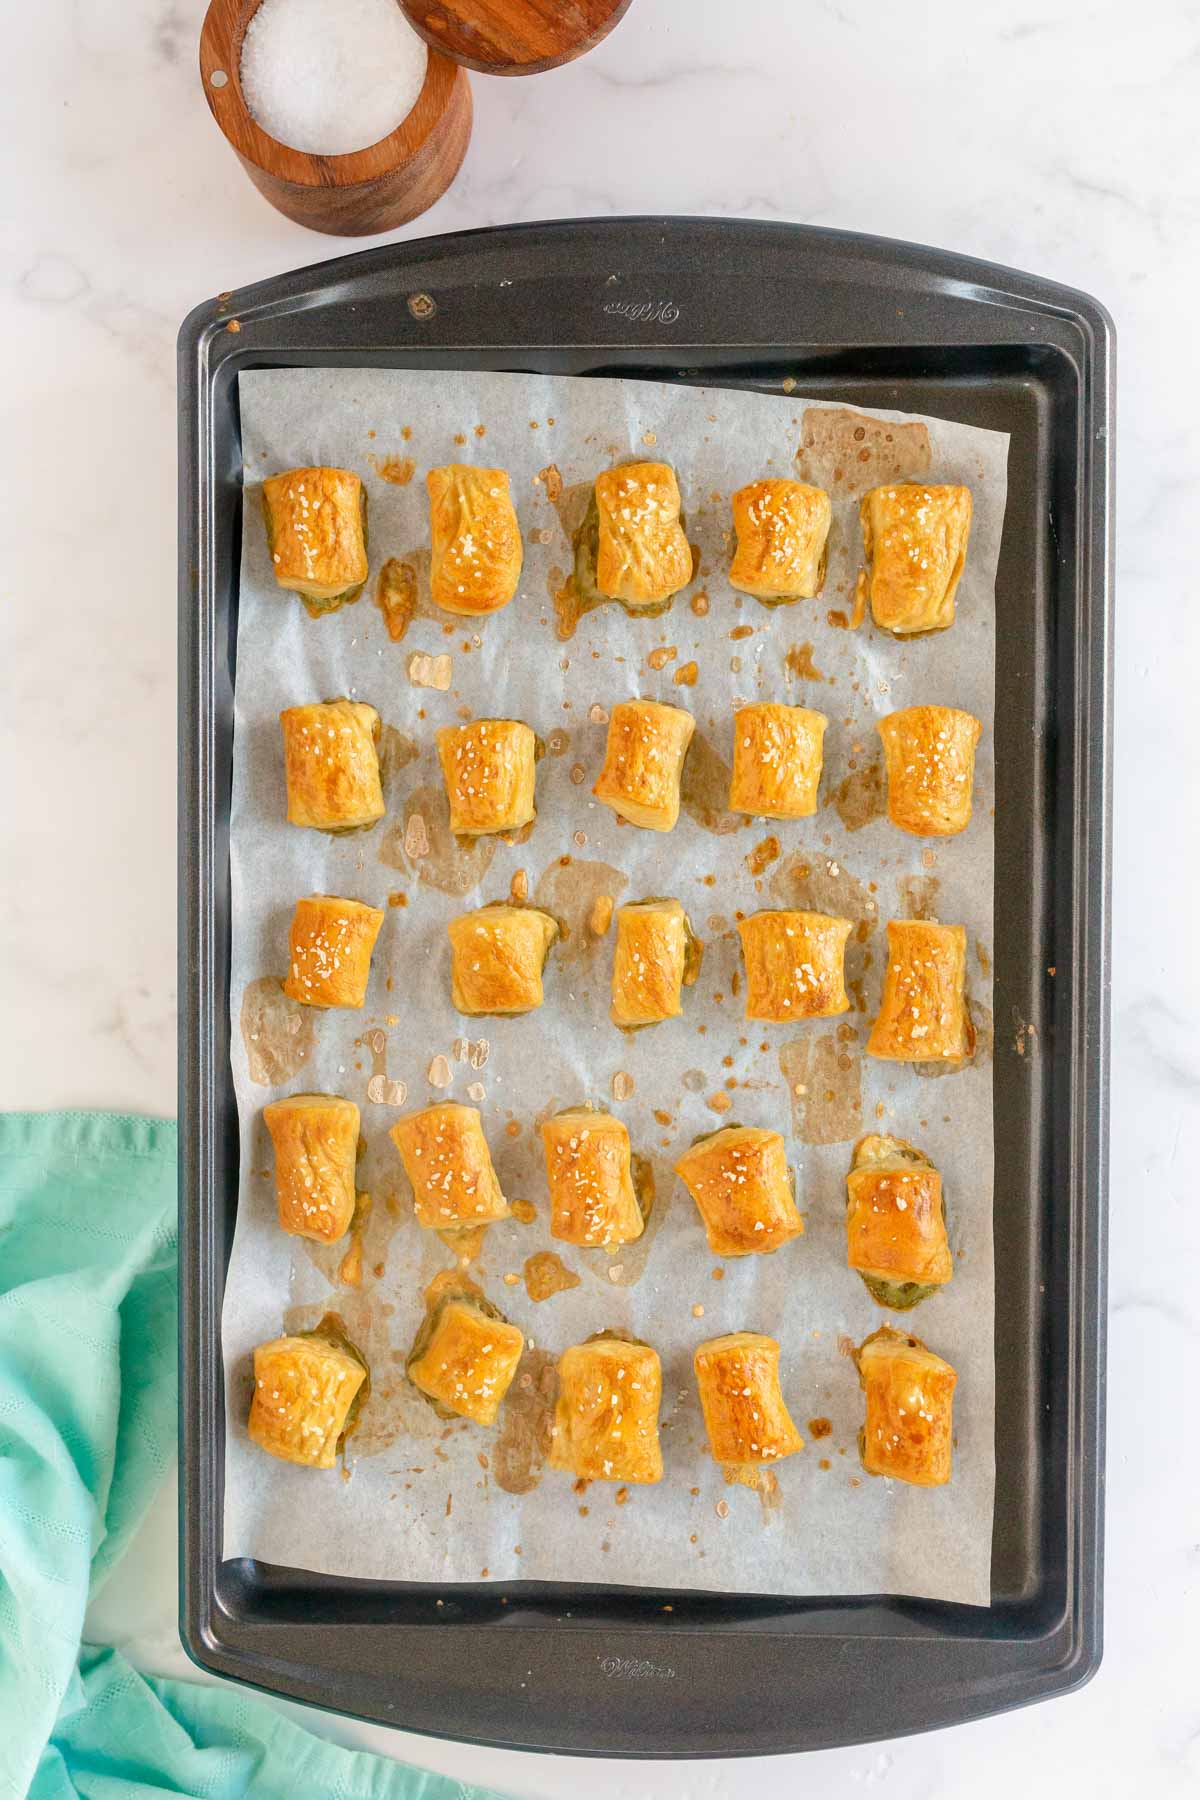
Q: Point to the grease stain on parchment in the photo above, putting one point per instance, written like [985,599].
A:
[546,1274]
[465,1246]
[277,1032]
[350,1269]
[918,896]
[704,789]
[862,796]
[396,751]
[570,502]
[403,593]
[526,1424]
[569,604]
[824,1080]
[569,888]
[810,882]
[398,470]
[396,596]
[451,865]
[847,452]
[799,663]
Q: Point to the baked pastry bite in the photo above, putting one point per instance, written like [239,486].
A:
[747,1421]
[329,950]
[606,1417]
[332,765]
[643,762]
[475,539]
[795,965]
[895,1228]
[777,753]
[657,955]
[930,756]
[465,1355]
[915,543]
[307,1390]
[923,1015]
[448,1163]
[497,956]
[315,1137]
[910,1398]
[316,523]
[488,769]
[632,545]
[782,537]
[589,1172]
[742,1185]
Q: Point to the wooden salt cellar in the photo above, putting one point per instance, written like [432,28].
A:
[513,37]
[369,190]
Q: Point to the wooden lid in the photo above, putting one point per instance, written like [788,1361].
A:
[513,37]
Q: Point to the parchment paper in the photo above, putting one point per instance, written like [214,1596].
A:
[418,1500]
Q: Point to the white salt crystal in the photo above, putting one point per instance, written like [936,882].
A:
[331,76]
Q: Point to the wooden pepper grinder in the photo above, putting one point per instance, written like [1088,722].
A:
[513,37]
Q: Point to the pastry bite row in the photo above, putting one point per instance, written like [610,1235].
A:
[738,1177]
[316,520]
[632,545]
[794,963]
[596,1184]
[795,970]
[489,766]
[606,1417]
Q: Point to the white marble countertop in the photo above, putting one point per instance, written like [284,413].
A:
[1052,137]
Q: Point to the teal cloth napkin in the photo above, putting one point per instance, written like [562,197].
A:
[87,1428]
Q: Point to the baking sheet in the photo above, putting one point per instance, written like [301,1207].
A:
[418,1500]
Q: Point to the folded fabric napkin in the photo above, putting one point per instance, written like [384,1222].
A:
[87,1428]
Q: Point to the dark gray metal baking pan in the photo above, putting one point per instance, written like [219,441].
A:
[622,1671]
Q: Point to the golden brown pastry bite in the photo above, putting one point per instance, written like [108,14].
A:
[930,756]
[742,1185]
[488,768]
[315,1137]
[474,537]
[777,754]
[632,544]
[447,1161]
[657,955]
[305,1393]
[909,1425]
[589,1172]
[332,765]
[795,965]
[497,955]
[465,1355]
[606,1417]
[782,534]
[329,950]
[895,1228]
[915,544]
[747,1421]
[923,1015]
[316,523]
[643,762]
